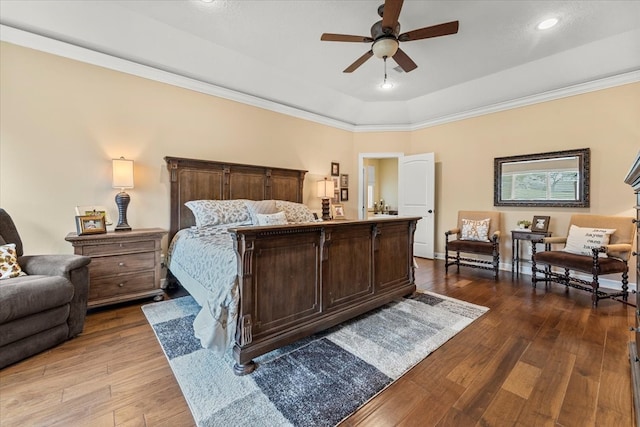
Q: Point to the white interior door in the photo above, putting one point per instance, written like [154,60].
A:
[416,188]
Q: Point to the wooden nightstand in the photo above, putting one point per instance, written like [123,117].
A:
[125,265]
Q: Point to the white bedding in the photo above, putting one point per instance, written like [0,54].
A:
[204,262]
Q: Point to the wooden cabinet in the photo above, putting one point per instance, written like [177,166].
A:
[125,265]
[633,179]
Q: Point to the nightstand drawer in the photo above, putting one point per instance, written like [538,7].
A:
[119,248]
[106,287]
[109,266]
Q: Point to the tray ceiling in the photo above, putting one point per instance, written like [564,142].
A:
[271,50]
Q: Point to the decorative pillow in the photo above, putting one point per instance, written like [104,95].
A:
[9,262]
[295,212]
[475,229]
[278,218]
[217,212]
[260,207]
[582,239]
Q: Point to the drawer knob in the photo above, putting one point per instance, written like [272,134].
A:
[121,285]
[121,264]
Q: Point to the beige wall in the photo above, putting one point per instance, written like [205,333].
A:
[606,121]
[61,122]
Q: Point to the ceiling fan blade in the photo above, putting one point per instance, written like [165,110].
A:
[328,37]
[428,32]
[351,68]
[391,13]
[404,61]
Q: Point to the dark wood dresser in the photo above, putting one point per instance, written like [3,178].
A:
[633,179]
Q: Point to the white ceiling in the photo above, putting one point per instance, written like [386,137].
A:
[272,49]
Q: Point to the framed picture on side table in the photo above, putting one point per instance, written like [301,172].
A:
[338,211]
[540,223]
[90,224]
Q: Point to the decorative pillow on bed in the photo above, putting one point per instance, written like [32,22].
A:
[582,239]
[475,229]
[9,266]
[217,212]
[295,212]
[260,207]
[278,218]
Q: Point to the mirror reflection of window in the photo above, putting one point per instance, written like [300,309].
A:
[551,179]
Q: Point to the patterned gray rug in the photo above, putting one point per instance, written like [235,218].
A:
[317,381]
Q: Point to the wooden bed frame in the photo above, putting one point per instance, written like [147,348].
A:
[299,279]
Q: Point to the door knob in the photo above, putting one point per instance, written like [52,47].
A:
[430,211]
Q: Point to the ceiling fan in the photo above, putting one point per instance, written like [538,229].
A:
[386,38]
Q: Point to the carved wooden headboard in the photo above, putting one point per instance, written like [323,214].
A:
[193,179]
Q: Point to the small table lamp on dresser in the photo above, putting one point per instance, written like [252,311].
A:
[633,179]
[122,179]
[325,192]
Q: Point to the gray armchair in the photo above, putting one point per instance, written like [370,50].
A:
[44,308]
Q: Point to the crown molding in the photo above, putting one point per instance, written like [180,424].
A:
[67,50]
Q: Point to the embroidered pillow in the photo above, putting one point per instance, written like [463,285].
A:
[217,212]
[295,212]
[582,240]
[278,218]
[475,229]
[260,207]
[9,262]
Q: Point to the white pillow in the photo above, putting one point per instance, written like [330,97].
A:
[9,266]
[475,229]
[260,207]
[278,218]
[582,239]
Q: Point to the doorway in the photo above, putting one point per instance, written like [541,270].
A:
[409,190]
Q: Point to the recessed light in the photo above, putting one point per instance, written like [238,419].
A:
[547,23]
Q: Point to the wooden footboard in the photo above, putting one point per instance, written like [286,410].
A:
[297,280]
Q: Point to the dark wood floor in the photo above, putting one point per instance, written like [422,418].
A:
[538,357]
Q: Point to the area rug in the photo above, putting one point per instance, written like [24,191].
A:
[317,381]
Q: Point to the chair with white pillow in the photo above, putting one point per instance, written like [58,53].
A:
[478,233]
[596,245]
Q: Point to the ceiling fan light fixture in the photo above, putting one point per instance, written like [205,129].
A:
[547,23]
[385,47]
[386,85]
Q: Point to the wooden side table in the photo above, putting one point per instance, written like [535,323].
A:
[125,265]
[516,237]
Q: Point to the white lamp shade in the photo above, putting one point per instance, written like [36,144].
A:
[385,47]
[325,189]
[122,173]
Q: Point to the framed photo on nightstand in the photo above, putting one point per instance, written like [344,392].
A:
[90,224]
[338,211]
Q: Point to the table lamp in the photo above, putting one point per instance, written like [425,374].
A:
[325,192]
[122,178]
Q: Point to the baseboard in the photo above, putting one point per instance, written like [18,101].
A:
[526,270]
